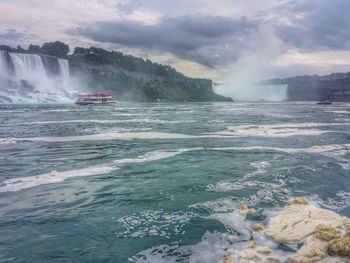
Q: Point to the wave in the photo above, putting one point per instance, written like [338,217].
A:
[239,131]
[20,183]
[339,112]
[103,137]
[16,184]
[99,121]
[278,130]
[335,148]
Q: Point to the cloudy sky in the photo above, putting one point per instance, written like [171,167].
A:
[202,38]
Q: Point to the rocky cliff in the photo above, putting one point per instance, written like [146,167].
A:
[35,75]
[140,86]
[135,79]
[334,87]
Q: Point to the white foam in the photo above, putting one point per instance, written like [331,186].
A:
[260,167]
[278,130]
[7,141]
[100,121]
[233,185]
[331,148]
[104,137]
[339,112]
[154,223]
[213,247]
[20,183]
[161,254]
[338,203]
[218,206]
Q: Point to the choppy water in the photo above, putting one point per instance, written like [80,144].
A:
[160,182]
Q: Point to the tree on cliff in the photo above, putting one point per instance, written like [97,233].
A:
[57,48]
[35,49]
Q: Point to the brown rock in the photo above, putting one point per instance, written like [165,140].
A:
[340,246]
[257,227]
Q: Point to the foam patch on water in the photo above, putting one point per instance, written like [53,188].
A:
[104,137]
[339,152]
[260,167]
[154,223]
[143,120]
[64,110]
[8,140]
[162,254]
[236,242]
[20,183]
[330,150]
[339,112]
[232,185]
[337,203]
[278,130]
[215,246]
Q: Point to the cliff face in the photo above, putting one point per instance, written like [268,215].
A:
[134,79]
[128,78]
[140,86]
[334,87]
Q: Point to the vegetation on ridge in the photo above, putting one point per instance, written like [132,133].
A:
[125,76]
[137,79]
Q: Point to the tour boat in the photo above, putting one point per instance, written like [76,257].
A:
[100,98]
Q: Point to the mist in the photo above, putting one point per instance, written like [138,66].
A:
[240,79]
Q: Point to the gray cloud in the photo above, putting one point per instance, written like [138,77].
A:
[10,36]
[208,40]
[217,40]
[316,24]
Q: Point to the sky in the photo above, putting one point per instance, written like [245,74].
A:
[200,38]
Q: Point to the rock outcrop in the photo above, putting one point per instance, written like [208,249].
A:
[142,86]
[334,87]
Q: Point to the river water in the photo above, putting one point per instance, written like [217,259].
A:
[161,182]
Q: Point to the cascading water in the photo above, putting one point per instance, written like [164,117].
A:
[3,65]
[273,92]
[65,76]
[24,78]
[251,92]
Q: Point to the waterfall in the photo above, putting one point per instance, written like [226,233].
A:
[65,74]
[28,66]
[3,65]
[273,92]
[24,79]
[252,92]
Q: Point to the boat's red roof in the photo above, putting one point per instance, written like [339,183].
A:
[98,94]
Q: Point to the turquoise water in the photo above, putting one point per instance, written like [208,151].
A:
[160,182]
